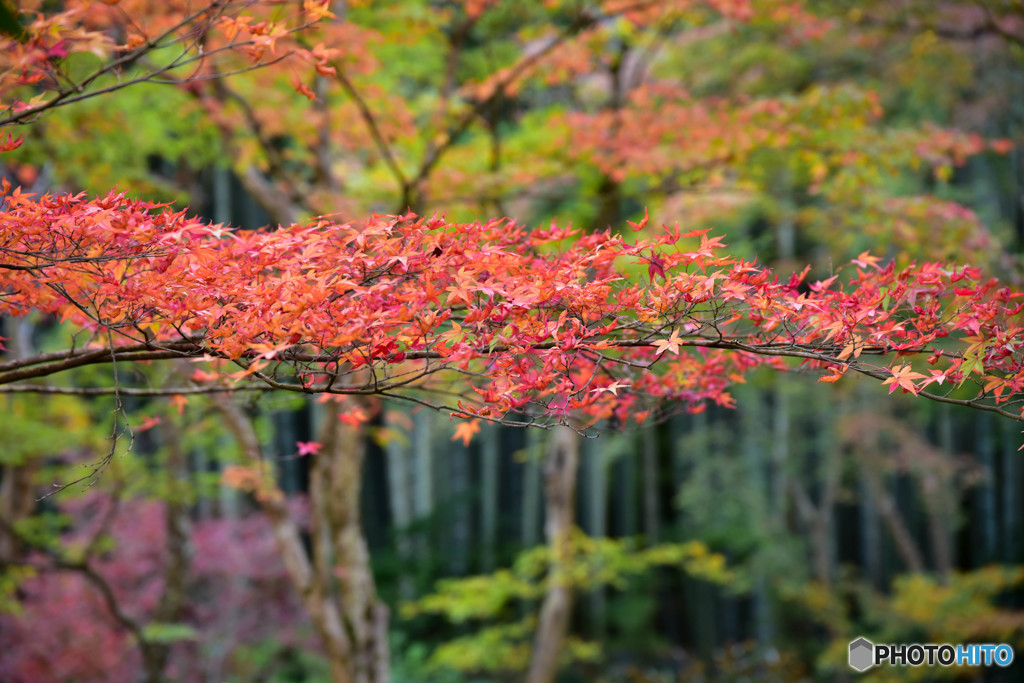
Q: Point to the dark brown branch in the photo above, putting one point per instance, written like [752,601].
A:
[49,364]
[105,356]
[126,391]
[479,108]
[91,575]
[371,125]
[69,96]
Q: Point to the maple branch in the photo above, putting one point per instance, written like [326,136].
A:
[73,353]
[89,573]
[126,391]
[967,403]
[76,91]
[52,363]
[581,22]
[52,260]
[282,209]
[69,96]
[390,389]
[197,77]
[97,358]
[455,410]
[371,125]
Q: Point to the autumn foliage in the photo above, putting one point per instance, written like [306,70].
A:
[69,631]
[538,323]
[526,325]
[402,154]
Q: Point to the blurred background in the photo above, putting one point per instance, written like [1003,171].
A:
[750,542]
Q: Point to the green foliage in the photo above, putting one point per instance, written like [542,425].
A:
[737,62]
[42,530]
[503,648]
[270,660]
[725,505]
[11,578]
[410,662]
[592,563]
[32,427]
[115,141]
[630,615]
[589,564]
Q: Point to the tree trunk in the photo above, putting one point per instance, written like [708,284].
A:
[1010,512]
[311,585]
[423,473]
[886,508]
[753,425]
[985,531]
[17,501]
[559,492]
[17,482]
[335,483]
[178,554]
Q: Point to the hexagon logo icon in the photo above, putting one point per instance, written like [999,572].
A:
[862,654]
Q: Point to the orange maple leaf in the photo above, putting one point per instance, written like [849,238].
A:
[179,401]
[318,9]
[671,344]
[612,388]
[903,377]
[354,417]
[303,89]
[834,375]
[866,260]
[204,376]
[466,430]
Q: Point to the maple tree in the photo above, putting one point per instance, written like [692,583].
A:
[399,305]
[118,623]
[539,327]
[535,334]
[57,58]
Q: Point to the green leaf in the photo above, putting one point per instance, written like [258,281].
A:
[160,632]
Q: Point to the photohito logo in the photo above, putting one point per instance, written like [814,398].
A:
[864,654]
